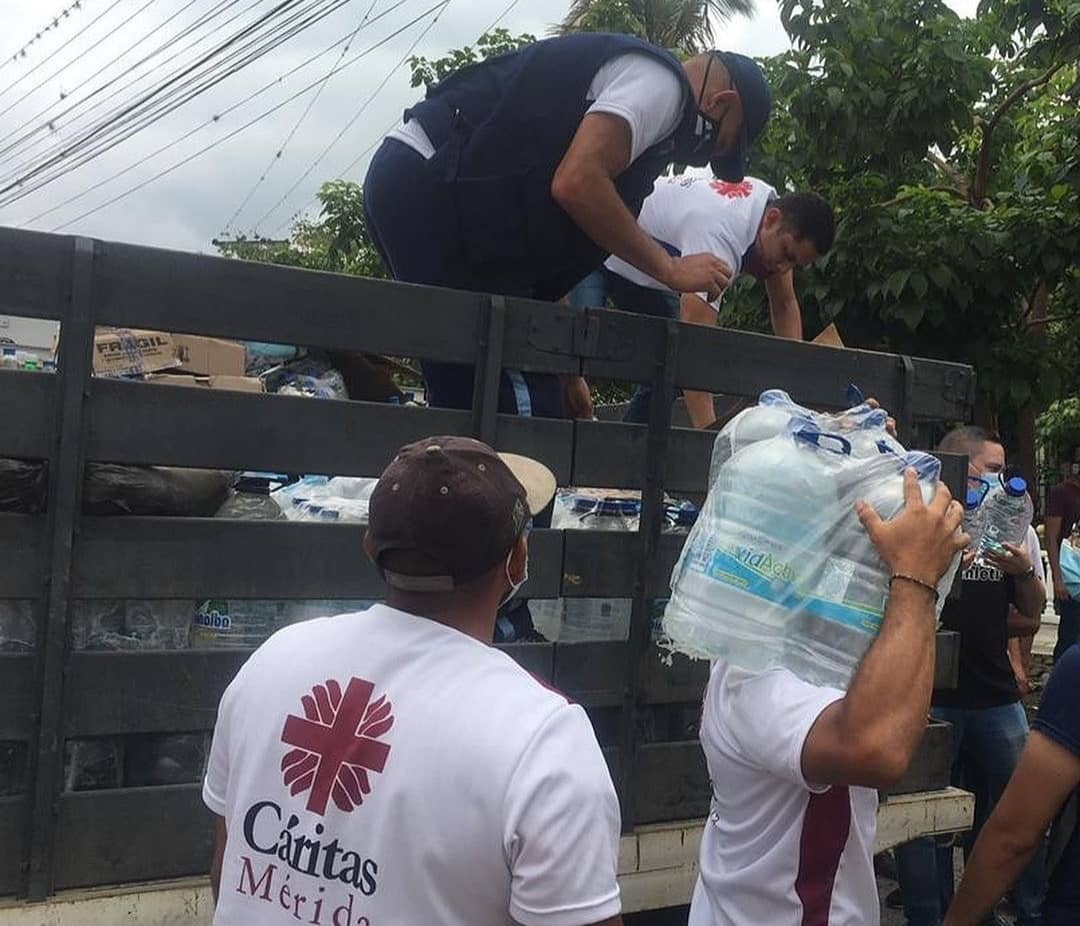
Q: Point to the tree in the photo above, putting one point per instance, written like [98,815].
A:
[683,26]
[337,240]
[489,45]
[949,148]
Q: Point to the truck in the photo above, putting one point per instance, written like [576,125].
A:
[90,854]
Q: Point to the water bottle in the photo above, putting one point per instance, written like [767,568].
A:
[1007,517]
[767,419]
[975,514]
[733,584]
[842,610]
[236,623]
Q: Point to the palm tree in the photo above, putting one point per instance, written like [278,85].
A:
[680,25]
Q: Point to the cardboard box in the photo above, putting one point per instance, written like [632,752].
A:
[210,356]
[830,337]
[130,351]
[230,383]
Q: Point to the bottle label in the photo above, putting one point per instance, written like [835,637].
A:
[767,576]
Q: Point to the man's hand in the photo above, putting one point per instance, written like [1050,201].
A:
[697,273]
[922,540]
[1061,593]
[1013,562]
[890,422]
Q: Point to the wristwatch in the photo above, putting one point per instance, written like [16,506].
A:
[1028,573]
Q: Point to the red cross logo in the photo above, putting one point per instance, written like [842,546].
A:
[739,190]
[336,744]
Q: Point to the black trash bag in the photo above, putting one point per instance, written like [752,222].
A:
[154,490]
[23,486]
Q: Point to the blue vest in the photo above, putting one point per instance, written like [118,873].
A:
[500,129]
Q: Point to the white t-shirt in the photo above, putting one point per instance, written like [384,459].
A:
[634,86]
[700,215]
[380,768]
[778,851]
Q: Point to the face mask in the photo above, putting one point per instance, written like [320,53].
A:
[515,587]
[706,131]
[1075,469]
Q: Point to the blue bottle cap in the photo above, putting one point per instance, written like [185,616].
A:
[973,500]
[1015,487]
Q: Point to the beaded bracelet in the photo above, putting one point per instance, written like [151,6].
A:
[919,582]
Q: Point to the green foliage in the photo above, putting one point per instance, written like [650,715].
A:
[427,73]
[683,26]
[337,240]
[1059,426]
[949,150]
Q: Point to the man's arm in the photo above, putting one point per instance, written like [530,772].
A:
[1044,778]
[699,405]
[584,186]
[784,311]
[220,837]
[870,735]
[1053,553]
[578,399]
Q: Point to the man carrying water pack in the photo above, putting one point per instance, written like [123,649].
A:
[746,224]
[985,711]
[794,766]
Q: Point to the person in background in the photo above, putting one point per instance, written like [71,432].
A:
[519,175]
[795,767]
[1042,791]
[987,717]
[749,226]
[1062,516]
[393,767]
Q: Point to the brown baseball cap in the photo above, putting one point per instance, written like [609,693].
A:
[448,509]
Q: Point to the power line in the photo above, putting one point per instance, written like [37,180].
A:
[242,128]
[352,121]
[311,202]
[57,51]
[181,88]
[217,117]
[299,122]
[41,33]
[15,143]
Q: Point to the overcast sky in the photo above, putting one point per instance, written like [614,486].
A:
[188,207]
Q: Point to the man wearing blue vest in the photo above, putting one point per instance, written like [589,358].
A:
[521,174]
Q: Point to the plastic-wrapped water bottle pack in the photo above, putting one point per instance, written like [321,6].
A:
[778,570]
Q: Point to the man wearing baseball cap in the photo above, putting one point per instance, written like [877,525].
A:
[519,175]
[391,766]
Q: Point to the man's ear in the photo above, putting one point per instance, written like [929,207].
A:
[519,557]
[717,103]
[369,547]
[772,218]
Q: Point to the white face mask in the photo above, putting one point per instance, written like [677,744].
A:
[515,587]
[1075,469]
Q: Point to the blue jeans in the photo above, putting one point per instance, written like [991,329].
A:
[412,217]
[986,747]
[1068,625]
[600,286]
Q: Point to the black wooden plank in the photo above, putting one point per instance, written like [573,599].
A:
[150,288]
[672,783]
[153,424]
[117,693]
[35,273]
[205,557]
[743,364]
[22,567]
[931,768]
[13,839]
[27,404]
[591,673]
[18,698]
[682,681]
[611,455]
[132,834]
[601,564]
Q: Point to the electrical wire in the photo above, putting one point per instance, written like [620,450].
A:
[247,125]
[181,91]
[307,173]
[50,124]
[53,24]
[217,117]
[299,122]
